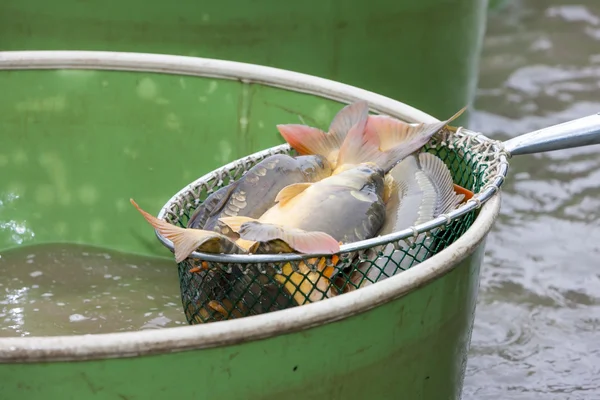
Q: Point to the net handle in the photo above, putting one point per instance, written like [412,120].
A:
[575,133]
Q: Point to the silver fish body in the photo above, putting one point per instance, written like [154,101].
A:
[255,192]
[348,206]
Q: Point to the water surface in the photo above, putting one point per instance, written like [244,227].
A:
[69,289]
[537,327]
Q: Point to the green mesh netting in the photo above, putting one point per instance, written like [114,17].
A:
[226,291]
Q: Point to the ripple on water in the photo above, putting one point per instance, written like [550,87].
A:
[537,325]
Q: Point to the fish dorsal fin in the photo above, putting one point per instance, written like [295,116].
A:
[354,114]
[185,240]
[234,223]
[441,179]
[358,147]
[290,191]
[298,239]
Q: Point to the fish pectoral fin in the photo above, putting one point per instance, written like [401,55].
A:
[441,178]
[234,223]
[297,239]
[290,191]
[185,240]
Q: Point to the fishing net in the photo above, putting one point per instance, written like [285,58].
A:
[235,286]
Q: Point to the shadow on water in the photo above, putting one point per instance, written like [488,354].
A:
[538,318]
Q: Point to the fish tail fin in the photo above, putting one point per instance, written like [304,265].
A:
[365,147]
[308,140]
[352,116]
[297,239]
[397,139]
[439,174]
[185,241]
[392,131]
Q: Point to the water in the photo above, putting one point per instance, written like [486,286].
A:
[537,327]
[66,289]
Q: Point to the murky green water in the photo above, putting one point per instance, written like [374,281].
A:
[66,289]
[537,327]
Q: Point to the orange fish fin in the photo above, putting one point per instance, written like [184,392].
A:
[234,223]
[352,115]
[465,192]
[298,239]
[306,139]
[290,191]
[185,241]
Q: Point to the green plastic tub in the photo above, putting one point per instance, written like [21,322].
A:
[424,53]
[82,132]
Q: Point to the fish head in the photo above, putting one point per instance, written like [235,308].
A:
[315,167]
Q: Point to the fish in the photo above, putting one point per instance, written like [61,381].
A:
[422,190]
[355,146]
[348,207]
[391,133]
[317,218]
[255,192]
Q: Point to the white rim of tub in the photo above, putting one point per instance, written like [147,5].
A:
[251,328]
